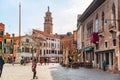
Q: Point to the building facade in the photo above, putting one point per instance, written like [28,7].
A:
[101,39]
[2,26]
[52,44]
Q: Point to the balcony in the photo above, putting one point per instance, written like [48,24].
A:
[94,37]
[112,28]
[101,32]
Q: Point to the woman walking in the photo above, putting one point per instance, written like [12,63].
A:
[34,65]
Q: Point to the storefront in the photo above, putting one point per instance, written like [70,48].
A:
[89,54]
[107,55]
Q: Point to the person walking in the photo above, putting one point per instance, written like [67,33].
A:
[104,65]
[1,65]
[13,61]
[34,65]
[45,60]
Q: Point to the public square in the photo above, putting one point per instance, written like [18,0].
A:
[55,72]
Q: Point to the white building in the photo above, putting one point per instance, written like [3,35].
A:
[52,44]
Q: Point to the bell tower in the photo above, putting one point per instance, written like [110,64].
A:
[48,26]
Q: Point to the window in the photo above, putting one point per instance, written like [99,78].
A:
[23,49]
[40,52]
[44,52]
[107,58]
[97,25]
[106,45]
[114,42]
[97,46]
[113,16]
[47,51]
[53,51]
[26,49]
[44,44]
[27,40]
[89,28]
[11,41]
[4,50]
[1,33]
[4,40]
[103,19]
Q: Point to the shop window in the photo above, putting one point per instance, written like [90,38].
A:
[107,58]
[97,58]
[112,58]
[114,42]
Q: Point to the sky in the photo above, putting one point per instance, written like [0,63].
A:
[64,13]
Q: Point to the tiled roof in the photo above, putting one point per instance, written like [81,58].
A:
[45,34]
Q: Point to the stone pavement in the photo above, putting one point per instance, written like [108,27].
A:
[55,72]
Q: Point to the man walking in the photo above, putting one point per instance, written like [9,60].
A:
[104,65]
[1,65]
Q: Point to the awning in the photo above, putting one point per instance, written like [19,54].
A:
[90,48]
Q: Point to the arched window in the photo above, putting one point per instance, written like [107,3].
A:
[113,16]
[97,23]
[103,19]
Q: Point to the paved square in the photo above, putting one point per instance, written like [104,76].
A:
[54,72]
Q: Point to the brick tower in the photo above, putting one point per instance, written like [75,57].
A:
[48,26]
